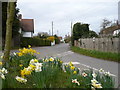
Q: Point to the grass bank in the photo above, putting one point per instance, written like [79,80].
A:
[97,54]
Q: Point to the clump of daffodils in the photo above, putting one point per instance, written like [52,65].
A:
[94,82]
[103,72]
[3,71]
[28,50]
[75,81]
[34,65]
[20,79]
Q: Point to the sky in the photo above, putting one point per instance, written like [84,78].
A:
[63,12]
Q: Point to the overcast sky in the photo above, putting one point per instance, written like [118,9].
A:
[63,12]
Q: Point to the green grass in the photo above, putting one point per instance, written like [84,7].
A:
[97,54]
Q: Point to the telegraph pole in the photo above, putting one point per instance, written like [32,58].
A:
[71,28]
[52,28]
[71,35]
[57,32]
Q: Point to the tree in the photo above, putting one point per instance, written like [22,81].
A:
[16,22]
[105,23]
[57,40]
[80,31]
[9,23]
[92,34]
[43,35]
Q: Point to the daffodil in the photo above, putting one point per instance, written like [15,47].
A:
[75,81]
[4,71]
[84,74]
[94,75]
[51,59]
[74,72]
[29,46]
[72,67]
[101,70]
[38,69]
[20,54]
[94,81]
[20,65]
[107,73]
[2,76]
[70,64]
[61,61]
[20,79]
[32,67]
[1,57]
[97,85]
[0,63]
[26,71]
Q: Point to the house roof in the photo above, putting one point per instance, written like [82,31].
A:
[27,25]
[110,30]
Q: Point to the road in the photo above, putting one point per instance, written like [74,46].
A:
[83,62]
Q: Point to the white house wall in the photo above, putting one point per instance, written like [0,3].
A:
[27,34]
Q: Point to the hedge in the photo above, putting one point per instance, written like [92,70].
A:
[25,41]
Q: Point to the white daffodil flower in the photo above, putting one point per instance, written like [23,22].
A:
[14,54]
[2,76]
[20,79]
[84,74]
[75,81]
[38,69]
[107,73]
[94,75]
[94,81]
[101,70]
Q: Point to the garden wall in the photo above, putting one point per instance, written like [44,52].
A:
[100,44]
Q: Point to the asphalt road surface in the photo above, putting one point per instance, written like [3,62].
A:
[83,62]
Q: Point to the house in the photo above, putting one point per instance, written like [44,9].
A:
[110,31]
[27,27]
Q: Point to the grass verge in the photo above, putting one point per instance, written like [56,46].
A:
[97,54]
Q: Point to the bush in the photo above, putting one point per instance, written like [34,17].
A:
[25,41]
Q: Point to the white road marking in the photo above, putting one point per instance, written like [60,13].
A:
[64,53]
[72,63]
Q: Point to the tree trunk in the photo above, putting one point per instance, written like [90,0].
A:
[9,22]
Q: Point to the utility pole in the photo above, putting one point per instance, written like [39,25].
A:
[71,35]
[52,28]
[49,32]
[57,33]
[71,28]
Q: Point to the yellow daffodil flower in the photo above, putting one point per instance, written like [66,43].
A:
[0,63]
[72,67]
[75,72]
[29,46]
[20,65]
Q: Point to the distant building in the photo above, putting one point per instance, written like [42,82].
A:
[112,30]
[27,26]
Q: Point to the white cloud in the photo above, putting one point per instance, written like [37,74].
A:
[62,12]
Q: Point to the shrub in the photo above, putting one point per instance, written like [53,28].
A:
[25,41]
